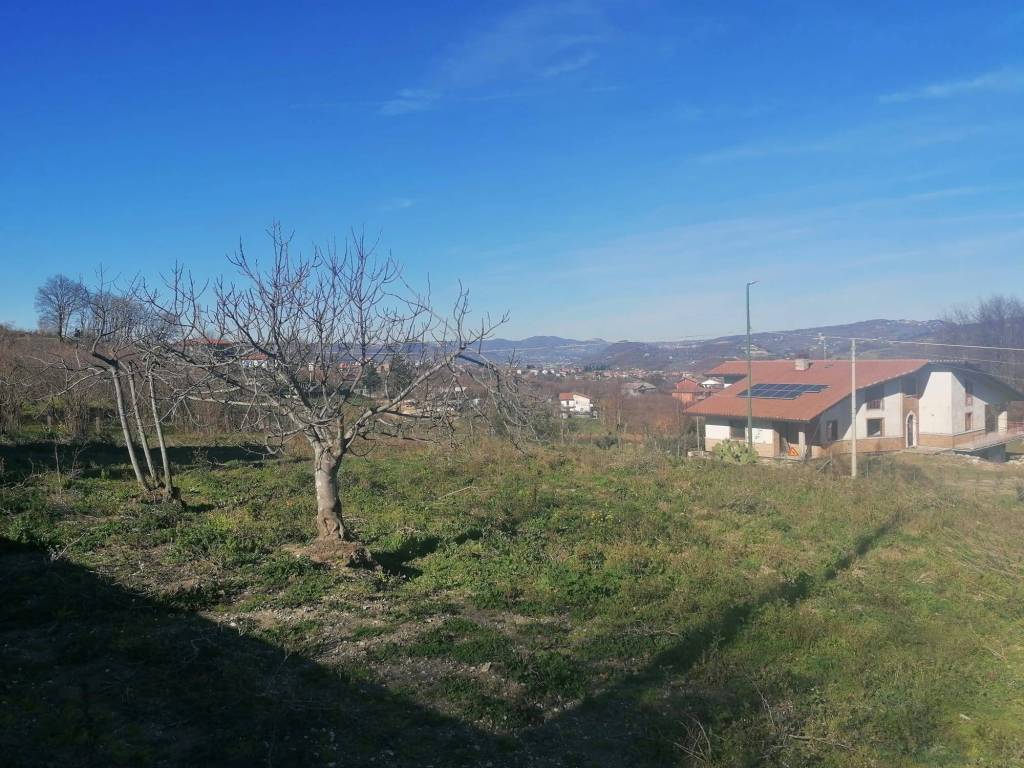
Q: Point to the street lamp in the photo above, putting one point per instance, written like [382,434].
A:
[750,377]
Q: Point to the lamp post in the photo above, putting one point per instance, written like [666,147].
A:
[750,377]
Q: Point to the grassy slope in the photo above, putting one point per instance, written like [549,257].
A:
[580,607]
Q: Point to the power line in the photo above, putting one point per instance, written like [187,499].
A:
[929,343]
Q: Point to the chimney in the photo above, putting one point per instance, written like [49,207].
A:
[801,364]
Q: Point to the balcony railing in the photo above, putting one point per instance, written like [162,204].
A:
[1014,431]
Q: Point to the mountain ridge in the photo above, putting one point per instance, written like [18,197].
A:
[693,353]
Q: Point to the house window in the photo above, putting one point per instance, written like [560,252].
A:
[968,422]
[874,397]
[968,393]
[832,430]
[737,430]
[875,428]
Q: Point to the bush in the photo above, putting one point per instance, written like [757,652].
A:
[735,453]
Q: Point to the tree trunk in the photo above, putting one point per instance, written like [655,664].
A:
[329,523]
[170,492]
[143,442]
[119,402]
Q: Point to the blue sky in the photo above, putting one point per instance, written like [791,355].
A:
[614,169]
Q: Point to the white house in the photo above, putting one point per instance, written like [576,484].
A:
[801,408]
[575,403]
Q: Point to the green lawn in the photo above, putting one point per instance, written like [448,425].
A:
[575,607]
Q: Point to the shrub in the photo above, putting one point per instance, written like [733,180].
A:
[735,453]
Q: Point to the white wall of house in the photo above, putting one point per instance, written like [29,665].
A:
[717,428]
[935,412]
[986,392]
[891,414]
[578,404]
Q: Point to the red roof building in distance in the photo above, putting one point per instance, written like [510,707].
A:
[802,408]
[690,391]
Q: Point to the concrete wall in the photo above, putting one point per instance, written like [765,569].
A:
[944,404]
[935,410]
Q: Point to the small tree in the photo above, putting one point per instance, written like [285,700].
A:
[116,340]
[319,325]
[58,302]
[371,382]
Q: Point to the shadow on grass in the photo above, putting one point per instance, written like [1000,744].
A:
[93,458]
[93,674]
[396,562]
[612,725]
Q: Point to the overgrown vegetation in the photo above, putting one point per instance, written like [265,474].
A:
[735,452]
[580,606]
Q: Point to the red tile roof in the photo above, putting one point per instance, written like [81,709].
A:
[834,374]
[689,385]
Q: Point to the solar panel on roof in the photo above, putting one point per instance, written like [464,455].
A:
[781,391]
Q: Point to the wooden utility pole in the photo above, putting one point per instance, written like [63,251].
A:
[853,407]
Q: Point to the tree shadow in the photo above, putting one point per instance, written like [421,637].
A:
[101,458]
[93,674]
[396,562]
[611,729]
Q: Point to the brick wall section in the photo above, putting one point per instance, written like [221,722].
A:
[950,441]
[869,445]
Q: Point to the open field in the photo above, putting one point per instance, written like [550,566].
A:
[575,607]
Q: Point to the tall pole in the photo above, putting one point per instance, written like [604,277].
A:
[853,408]
[750,378]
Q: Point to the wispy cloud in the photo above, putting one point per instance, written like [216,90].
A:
[997,81]
[398,204]
[569,64]
[536,42]
[410,100]
[882,137]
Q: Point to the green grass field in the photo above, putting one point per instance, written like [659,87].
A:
[576,607]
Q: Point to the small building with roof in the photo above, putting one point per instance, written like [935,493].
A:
[801,408]
[575,404]
[689,391]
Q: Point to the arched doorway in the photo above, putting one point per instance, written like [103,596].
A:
[911,431]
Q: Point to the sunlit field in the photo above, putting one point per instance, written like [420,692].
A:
[573,606]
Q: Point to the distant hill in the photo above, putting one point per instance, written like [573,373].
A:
[704,353]
[698,354]
[546,350]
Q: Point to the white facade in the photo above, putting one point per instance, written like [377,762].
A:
[891,413]
[946,408]
[576,403]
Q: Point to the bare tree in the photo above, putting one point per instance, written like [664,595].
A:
[291,346]
[117,340]
[58,301]
[12,373]
[996,321]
